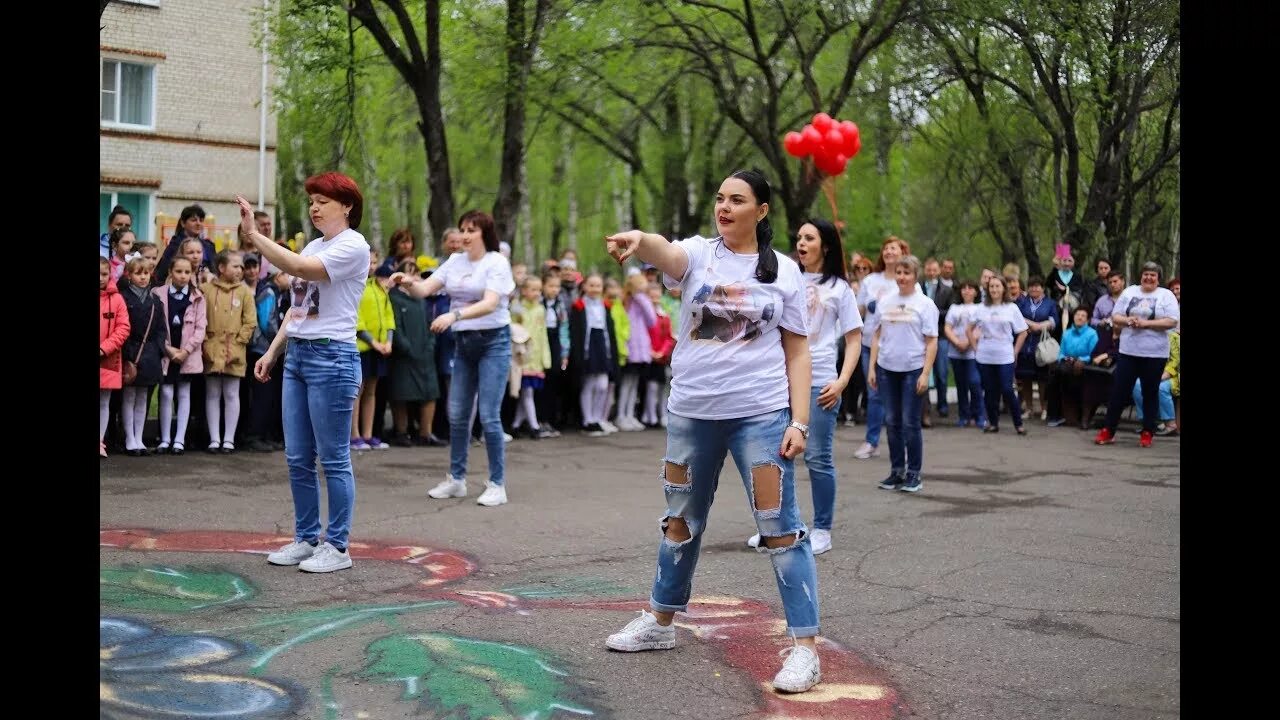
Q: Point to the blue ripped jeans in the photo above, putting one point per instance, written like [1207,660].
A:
[696,451]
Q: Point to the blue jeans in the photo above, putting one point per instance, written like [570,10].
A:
[902,408]
[481,363]
[969,390]
[321,382]
[940,373]
[875,408]
[698,448]
[818,459]
[997,380]
[1166,399]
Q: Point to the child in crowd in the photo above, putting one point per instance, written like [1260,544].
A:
[531,313]
[232,319]
[144,349]
[185,323]
[113,331]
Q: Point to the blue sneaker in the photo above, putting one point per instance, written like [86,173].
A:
[893,482]
[912,485]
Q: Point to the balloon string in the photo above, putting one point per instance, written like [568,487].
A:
[829,189]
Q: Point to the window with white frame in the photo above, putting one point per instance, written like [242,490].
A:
[128,94]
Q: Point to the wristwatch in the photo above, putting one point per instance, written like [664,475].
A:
[457,315]
[804,429]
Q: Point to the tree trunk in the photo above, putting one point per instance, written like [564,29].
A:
[526,222]
[521,46]
[674,181]
[300,174]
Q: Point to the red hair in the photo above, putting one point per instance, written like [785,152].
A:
[906,250]
[336,186]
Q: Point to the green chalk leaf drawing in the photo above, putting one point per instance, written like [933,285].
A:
[568,587]
[165,589]
[464,679]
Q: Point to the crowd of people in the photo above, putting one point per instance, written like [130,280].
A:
[731,346]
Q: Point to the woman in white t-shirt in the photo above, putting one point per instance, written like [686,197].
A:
[997,332]
[740,385]
[876,287]
[1145,313]
[321,368]
[902,355]
[479,284]
[833,318]
[960,354]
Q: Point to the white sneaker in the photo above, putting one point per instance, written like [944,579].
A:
[800,672]
[292,554]
[820,540]
[493,495]
[632,424]
[643,633]
[326,559]
[449,488]
[608,427]
[754,541]
[867,451]
[506,437]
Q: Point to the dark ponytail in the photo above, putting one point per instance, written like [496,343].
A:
[767,264]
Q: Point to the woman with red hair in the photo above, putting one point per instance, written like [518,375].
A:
[322,367]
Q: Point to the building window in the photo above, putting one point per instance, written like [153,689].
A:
[138,205]
[128,94]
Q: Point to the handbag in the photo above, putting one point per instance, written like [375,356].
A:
[129,370]
[1046,351]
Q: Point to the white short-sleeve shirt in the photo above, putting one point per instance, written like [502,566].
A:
[832,313]
[905,322]
[874,287]
[466,281]
[320,309]
[959,318]
[998,325]
[1155,305]
[728,361]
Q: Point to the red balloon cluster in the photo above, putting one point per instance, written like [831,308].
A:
[831,143]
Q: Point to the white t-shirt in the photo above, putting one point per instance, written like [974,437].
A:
[465,283]
[832,313]
[320,309]
[1155,305]
[959,317]
[905,322]
[997,325]
[728,361]
[874,287]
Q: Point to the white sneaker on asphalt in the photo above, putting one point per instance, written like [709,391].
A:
[754,541]
[820,540]
[449,488]
[292,554]
[867,451]
[800,672]
[493,495]
[326,559]
[643,633]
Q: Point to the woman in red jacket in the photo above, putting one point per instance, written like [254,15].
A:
[113,330]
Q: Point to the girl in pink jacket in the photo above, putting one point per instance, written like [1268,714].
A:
[185,323]
[113,330]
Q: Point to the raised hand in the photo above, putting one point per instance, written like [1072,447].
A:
[623,245]
[247,225]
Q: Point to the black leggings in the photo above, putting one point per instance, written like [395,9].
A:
[1128,369]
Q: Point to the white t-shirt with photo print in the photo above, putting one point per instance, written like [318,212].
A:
[905,322]
[832,313]
[466,281]
[874,288]
[728,361]
[1155,305]
[959,318]
[321,309]
[998,325]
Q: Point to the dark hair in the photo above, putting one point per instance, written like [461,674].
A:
[833,264]
[484,221]
[336,186]
[767,264]
[1115,273]
[1004,287]
[189,212]
[1035,280]
[113,239]
[118,210]
[977,291]
[261,214]
[399,236]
